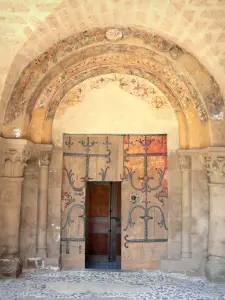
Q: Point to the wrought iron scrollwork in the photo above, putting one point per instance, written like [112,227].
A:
[103,173]
[87,154]
[87,147]
[145,217]
[146,188]
[77,190]
[69,143]
[68,222]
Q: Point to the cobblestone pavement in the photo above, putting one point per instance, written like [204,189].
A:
[106,285]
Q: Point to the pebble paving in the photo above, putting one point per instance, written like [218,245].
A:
[109,285]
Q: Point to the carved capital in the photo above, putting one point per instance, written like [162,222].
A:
[45,159]
[17,155]
[184,162]
[14,160]
[215,166]
[42,154]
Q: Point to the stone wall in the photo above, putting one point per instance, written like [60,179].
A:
[174,206]
[54,208]
[29,212]
[200,210]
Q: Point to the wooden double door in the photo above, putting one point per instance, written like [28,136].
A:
[93,167]
[103,224]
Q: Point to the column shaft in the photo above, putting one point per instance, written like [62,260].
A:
[42,211]
[185,165]
[215,268]
[15,155]
[10,220]
[186,214]
[215,166]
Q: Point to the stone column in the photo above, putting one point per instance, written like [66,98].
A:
[15,153]
[185,166]
[215,165]
[44,162]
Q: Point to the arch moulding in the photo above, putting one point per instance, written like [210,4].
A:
[190,89]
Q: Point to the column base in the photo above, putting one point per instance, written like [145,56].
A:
[40,259]
[11,267]
[53,263]
[189,266]
[215,269]
[33,264]
[186,254]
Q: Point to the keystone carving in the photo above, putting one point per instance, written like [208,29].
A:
[113,34]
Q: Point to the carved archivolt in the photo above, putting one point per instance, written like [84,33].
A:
[141,64]
[54,94]
[163,77]
[99,51]
[41,65]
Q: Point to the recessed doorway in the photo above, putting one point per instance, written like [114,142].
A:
[103,225]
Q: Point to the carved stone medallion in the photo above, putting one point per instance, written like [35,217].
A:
[114,35]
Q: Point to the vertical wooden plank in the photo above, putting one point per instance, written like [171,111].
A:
[115,170]
[113,220]
[97,214]
[73,203]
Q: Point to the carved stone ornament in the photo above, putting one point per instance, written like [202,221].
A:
[15,161]
[114,35]
[17,155]
[215,165]
[44,160]
[184,162]
[91,45]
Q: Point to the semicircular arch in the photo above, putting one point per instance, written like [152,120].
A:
[149,53]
